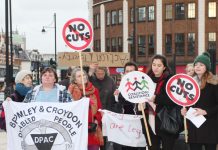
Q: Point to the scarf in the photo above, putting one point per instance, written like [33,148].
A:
[77,90]
[22,89]
[159,81]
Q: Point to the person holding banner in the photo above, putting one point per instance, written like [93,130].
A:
[160,73]
[23,84]
[95,137]
[207,105]
[48,90]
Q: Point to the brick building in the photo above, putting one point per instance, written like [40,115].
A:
[179,29]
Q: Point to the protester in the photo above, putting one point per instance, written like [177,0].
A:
[160,74]
[99,77]
[207,106]
[189,69]
[48,90]
[23,84]
[95,138]
[126,106]
[66,81]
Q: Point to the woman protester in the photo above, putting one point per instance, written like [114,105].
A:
[48,90]
[207,106]
[23,84]
[160,74]
[95,137]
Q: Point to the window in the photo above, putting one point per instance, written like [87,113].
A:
[120,44]
[151,13]
[151,44]
[179,43]
[141,13]
[120,19]
[96,21]
[97,46]
[169,12]
[168,43]
[211,9]
[212,40]
[108,19]
[141,45]
[131,15]
[113,45]
[191,43]
[180,11]
[108,45]
[191,10]
[114,17]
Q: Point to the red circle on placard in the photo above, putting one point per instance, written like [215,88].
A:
[87,41]
[189,102]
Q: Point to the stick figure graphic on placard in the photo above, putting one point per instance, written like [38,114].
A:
[137,83]
[144,83]
[129,84]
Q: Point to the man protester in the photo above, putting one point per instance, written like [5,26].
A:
[127,107]
[99,77]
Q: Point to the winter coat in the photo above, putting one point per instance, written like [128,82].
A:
[106,89]
[63,94]
[208,101]
[94,138]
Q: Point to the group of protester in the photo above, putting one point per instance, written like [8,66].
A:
[101,89]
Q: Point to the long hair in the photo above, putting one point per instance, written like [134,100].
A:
[163,60]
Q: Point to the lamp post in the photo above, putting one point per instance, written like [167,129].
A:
[134,31]
[55,38]
[7,77]
[132,38]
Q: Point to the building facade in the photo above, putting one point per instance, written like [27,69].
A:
[179,29]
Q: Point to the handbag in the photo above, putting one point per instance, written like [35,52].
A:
[92,127]
[171,120]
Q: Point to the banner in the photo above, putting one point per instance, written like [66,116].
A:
[123,129]
[47,126]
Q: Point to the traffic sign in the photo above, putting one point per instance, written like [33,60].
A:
[77,34]
[137,87]
[183,90]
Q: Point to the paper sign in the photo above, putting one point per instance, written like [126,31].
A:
[196,120]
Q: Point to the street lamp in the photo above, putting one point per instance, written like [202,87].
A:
[132,38]
[43,31]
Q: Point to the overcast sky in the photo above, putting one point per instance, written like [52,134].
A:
[29,16]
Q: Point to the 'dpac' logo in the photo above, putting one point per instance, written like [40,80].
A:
[46,135]
[137,87]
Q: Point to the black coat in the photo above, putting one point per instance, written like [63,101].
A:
[162,100]
[207,133]
[106,89]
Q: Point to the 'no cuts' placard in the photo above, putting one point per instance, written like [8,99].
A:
[77,34]
[137,87]
[183,90]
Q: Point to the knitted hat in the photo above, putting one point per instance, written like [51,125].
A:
[21,74]
[205,59]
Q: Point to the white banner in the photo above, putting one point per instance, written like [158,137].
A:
[47,126]
[123,129]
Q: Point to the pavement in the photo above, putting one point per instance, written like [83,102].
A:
[3,140]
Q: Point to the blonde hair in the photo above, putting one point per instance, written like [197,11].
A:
[189,65]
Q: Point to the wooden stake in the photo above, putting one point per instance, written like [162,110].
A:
[146,125]
[185,130]
[81,67]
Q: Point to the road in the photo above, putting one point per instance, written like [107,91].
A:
[3,140]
